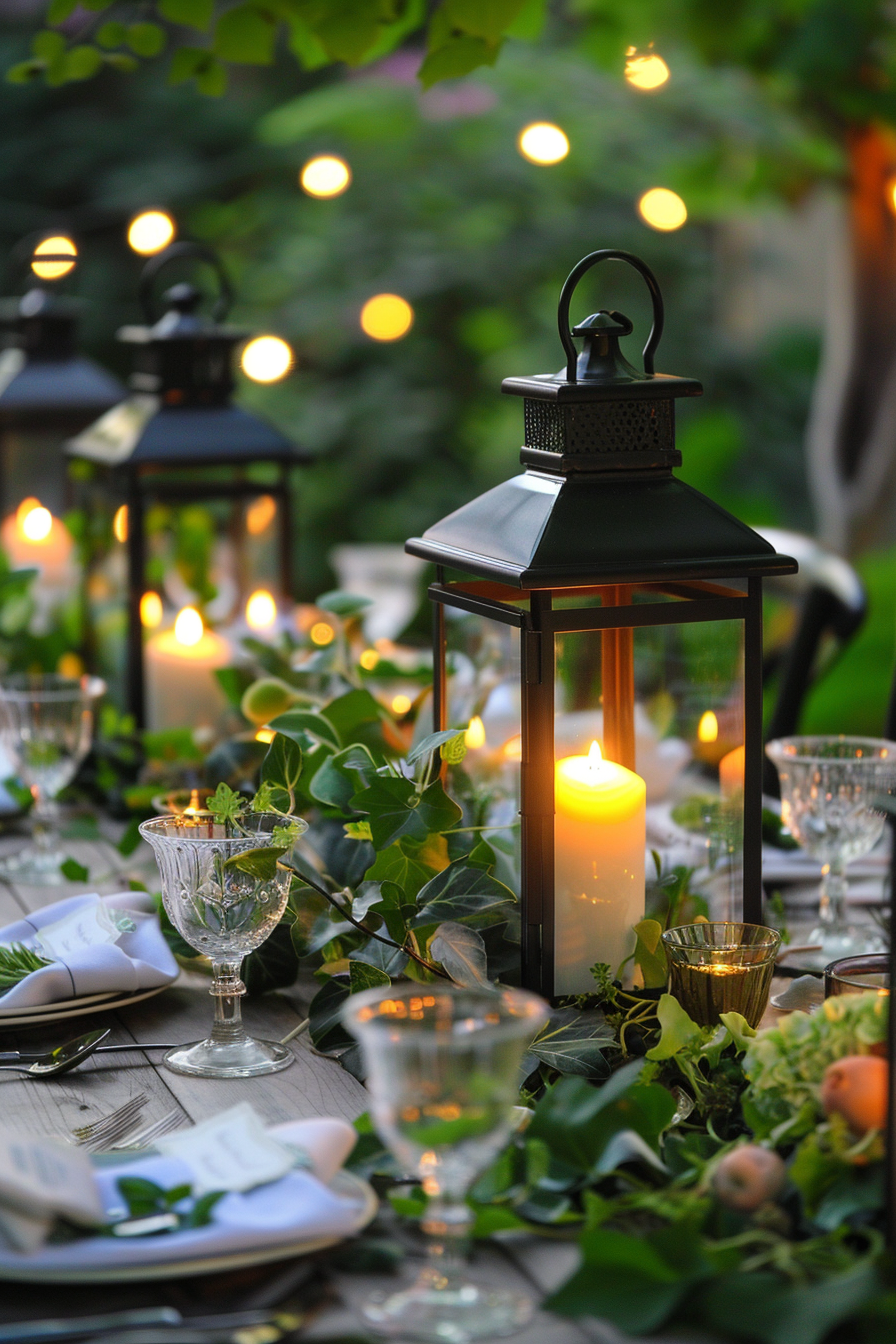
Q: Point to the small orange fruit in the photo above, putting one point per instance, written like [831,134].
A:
[749,1177]
[856,1088]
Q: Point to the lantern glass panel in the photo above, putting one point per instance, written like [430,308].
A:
[483,695]
[675,780]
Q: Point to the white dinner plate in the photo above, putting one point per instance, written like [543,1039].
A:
[54,1270]
[11,1018]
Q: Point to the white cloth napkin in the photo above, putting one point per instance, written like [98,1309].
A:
[298,1207]
[138,958]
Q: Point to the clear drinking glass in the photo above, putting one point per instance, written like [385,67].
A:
[721,968]
[443,1075]
[828,787]
[46,727]
[224,913]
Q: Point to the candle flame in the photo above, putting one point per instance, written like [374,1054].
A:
[261,610]
[474,737]
[708,727]
[595,756]
[188,628]
[151,610]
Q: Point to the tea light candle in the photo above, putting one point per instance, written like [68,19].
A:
[600,836]
[182,689]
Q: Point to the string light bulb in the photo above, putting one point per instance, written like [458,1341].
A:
[708,727]
[386,317]
[325,176]
[120,523]
[60,255]
[267,359]
[151,231]
[662,209]
[151,610]
[543,143]
[647,71]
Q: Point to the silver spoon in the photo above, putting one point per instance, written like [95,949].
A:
[48,1063]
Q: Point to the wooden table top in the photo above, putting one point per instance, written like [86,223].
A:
[312,1086]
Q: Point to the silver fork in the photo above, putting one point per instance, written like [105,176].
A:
[110,1127]
[143,1138]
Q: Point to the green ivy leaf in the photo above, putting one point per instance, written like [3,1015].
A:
[440,740]
[246,35]
[462,954]
[81,62]
[575,1043]
[59,10]
[296,723]
[405,868]
[336,782]
[487,19]
[462,892]
[325,1013]
[650,955]
[343,604]
[130,839]
[189,13]
[74,871]
[200,1215]
[48,46]
[274,965]
[677,1029]
[145,39]
[356,716]
[226,804]
[258,863]
[24,72]
[396,809]
[282,768]
[455,58]
[348,30]
[111,34]
[363,976]
[623,1279]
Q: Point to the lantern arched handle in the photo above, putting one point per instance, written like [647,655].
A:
[175,252]
[566,293]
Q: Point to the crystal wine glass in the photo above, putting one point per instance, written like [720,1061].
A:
[46,727]
[828,788]
[443,1074]
[224,912]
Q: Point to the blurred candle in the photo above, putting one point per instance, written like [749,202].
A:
[33,538]
[731,773]
[182,689]
[600,837]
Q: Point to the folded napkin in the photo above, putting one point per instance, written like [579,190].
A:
[296,1207]
[97,945]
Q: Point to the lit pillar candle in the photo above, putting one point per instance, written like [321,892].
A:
[600,838]
[182,689]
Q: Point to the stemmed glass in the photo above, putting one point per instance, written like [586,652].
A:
[443,1074]
[46,727]
[224,912]
[828,790]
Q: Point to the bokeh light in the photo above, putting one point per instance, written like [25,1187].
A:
[120,523]
[150,232]
[265,735]
[266,359]
[34,522]
[387,317]
[322,634]
[58,248]
[543,143]
[474,737]
[151,610]
[261,610]
[188,628]
[662,209]
[708,727]
[260,514]
[646,72]
[401,704]
[325,176]
[369,659]
[70,665]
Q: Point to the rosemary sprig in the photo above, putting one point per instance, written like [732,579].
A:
[17,961]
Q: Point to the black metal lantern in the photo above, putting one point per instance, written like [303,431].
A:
[48,391]
[178,438]
[628,601]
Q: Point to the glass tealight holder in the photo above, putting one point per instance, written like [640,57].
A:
[856,975]
[721,968]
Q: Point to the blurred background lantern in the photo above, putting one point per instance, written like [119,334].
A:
[600,626]
[48,391]
[189,499]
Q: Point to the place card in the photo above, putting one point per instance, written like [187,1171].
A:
[231,1151]
[40,1181]
[91,926]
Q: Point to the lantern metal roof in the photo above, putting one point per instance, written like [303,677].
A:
[597,502]
[42,375]
[179,413]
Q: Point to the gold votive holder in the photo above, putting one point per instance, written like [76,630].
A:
[857,975]
[721,968]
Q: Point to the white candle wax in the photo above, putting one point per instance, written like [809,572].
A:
[182,690]
[599,842]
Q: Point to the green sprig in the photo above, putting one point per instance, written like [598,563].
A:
[16,962]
